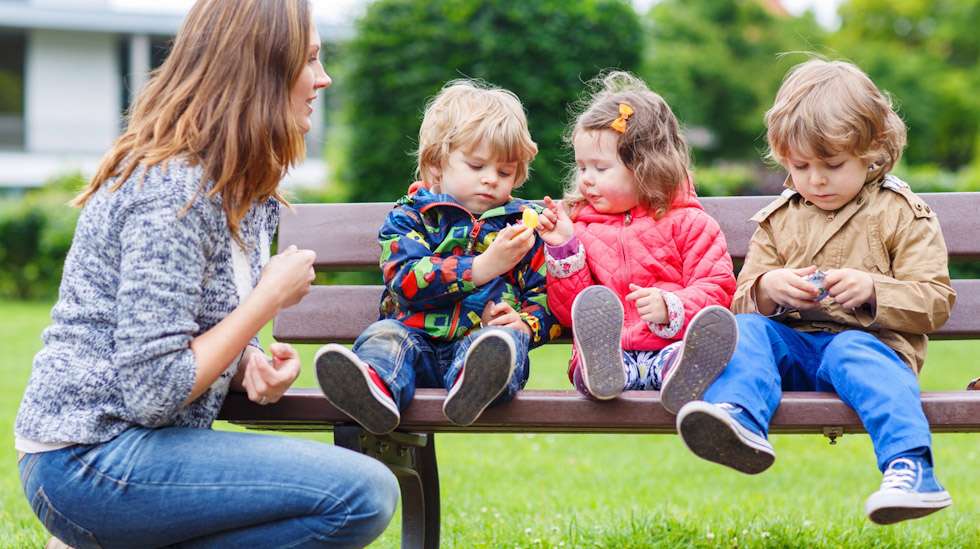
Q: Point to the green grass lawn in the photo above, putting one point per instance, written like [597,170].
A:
[540,490]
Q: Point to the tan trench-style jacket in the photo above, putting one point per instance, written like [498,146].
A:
[887,231]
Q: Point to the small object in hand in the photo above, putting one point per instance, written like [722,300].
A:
[817,279]
[263,401]
[529,218]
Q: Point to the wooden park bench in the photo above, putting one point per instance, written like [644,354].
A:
[344,238]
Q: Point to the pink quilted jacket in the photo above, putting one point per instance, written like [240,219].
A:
[684,253]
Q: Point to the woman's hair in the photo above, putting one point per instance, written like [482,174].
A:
[468,112]
[222,101]
[651,145]
[825,108]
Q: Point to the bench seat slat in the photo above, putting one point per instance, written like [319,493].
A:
[344,235]
[567,411]
[341,313]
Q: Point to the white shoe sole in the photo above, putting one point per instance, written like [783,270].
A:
[345,381]
[708,346]
[487,368]
[712,434]
[891,506]
[597,328]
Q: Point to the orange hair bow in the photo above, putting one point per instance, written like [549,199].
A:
[625,112]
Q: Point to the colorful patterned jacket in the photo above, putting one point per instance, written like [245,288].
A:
[428,243]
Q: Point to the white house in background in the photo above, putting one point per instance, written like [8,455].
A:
[68,71]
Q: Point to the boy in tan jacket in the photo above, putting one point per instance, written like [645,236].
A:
[844,277]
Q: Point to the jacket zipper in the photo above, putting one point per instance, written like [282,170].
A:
[629,277]
[471,243]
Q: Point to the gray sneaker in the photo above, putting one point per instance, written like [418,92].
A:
[597,328]
[347,383]
[487,368]
[708,346]
[712,433]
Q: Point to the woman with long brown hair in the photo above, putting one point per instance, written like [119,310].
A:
[166,284]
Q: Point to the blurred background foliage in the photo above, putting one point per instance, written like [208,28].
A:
[717,62]
[404,51]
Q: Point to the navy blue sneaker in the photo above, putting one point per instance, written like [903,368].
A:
[714,432]
[909,490]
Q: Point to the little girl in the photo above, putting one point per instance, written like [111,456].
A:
[636,266]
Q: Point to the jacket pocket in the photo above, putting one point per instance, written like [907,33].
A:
[877,259]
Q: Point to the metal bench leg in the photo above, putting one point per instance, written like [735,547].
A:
[412,457]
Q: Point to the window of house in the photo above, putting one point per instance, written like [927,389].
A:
[13,46]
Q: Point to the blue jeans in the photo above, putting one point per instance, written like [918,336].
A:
[189,487]
[864,372]
[406,358]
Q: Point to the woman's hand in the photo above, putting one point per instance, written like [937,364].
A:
[266,381]
[287,276]
[555,227]
[649,303]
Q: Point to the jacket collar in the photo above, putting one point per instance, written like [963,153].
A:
[420,196]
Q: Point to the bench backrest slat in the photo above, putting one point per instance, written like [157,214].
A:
[344,238]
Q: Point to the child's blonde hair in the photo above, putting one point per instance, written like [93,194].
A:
[651,145]
[825,108]
[466,112]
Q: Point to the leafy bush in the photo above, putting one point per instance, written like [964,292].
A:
[405,51]
[35,234]
[725,180]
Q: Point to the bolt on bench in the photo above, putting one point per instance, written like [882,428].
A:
[344,238]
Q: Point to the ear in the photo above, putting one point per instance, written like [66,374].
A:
[432,175]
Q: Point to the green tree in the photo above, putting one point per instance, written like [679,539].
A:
[717,64]
[926,54]
[405,50]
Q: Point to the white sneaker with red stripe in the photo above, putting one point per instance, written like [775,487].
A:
[355,388]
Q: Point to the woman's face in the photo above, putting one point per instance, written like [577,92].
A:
[311,79]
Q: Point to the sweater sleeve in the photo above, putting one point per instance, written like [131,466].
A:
[568,274]
[163,258]
[535,310]
[708,273]
[413,273]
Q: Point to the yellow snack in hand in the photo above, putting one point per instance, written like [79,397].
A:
[529,218]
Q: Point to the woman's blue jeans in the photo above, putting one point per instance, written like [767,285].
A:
[406,358]
[187,487]
[865,373]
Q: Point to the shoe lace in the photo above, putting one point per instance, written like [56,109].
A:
[899,478]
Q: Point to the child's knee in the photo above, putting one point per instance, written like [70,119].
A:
[752,323]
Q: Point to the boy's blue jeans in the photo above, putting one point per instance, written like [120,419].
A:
[867,375]
[185,487]
[406,358]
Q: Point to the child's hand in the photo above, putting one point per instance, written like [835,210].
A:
[504,253]
[787,287]
[649,303]
[555,227]
[850,288]
[502,314]
[265,381]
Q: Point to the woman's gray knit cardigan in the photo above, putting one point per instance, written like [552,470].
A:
[144,276]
